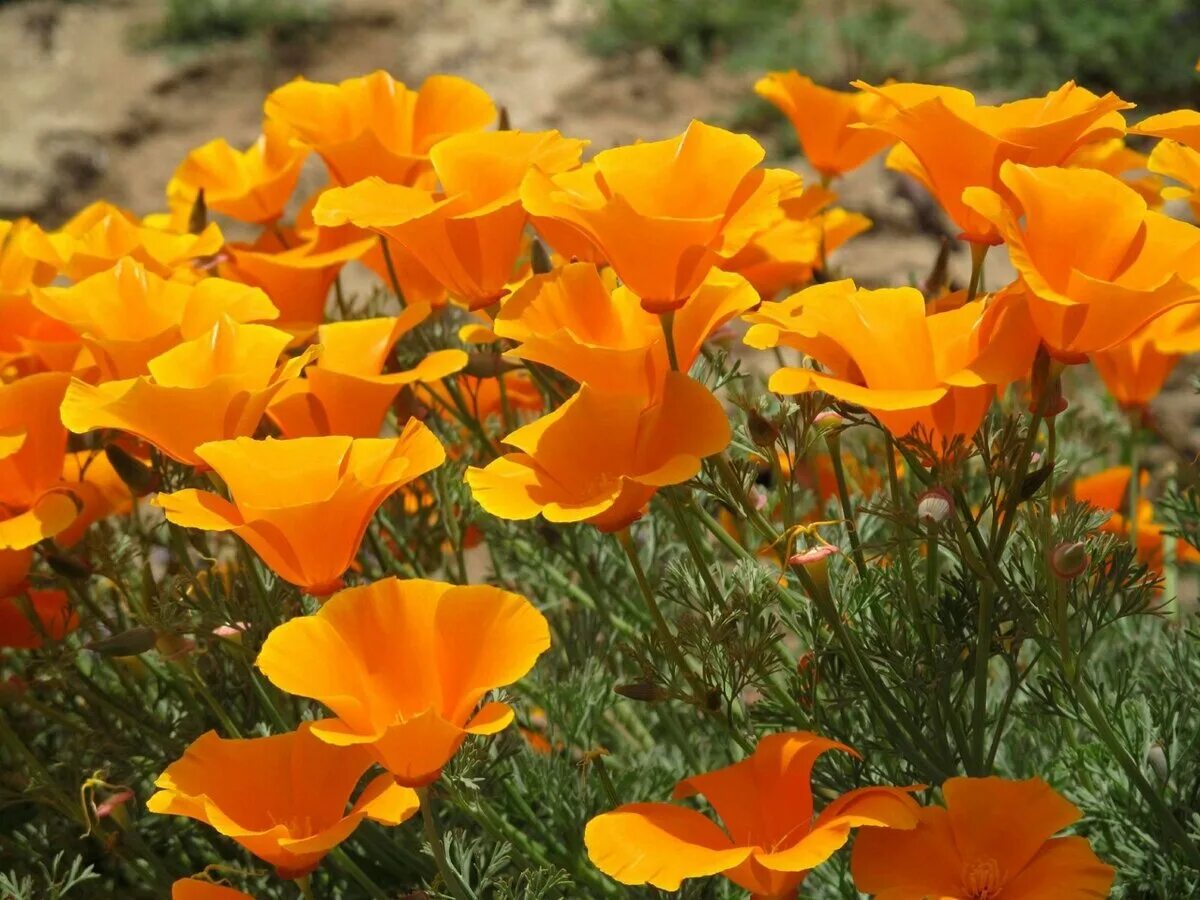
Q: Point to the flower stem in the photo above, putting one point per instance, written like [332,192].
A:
[304,882]
[391,270]
[978,252]
[437,847]
[668,326]
[983,654]
[834,443]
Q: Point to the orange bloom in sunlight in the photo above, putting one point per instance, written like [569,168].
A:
[572,321]
[694,199]
[375,126]
[283,798]
[600,457]
[32,341]
[303,505]
[344,393]
[1109,490]
[32,438]
[128,315]
[211,388]
[468,234]
[823,118]
[1135,369]
[1180,125]
[101,234]
[198,889]
[949,143]
[994,838]
[18,270]
[1097,264]
[252,185]
[770,838]
[54,619]
[1181,163]
[14,566]
[1114,157]
[881,351]
[404,666]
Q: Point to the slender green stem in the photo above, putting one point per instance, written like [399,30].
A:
[391,270]
[839,474]
[434,837]
[983,654]
[351,868]
[1134,482]
[668,326]
[978,252]
[305,885]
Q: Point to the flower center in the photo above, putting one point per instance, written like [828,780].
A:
[982,879]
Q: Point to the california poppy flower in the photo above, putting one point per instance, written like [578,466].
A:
[950,143]
[18,270]
[127,315]
[600,457]
[252,185]
[1135,370]
[1181,163]
[677,196]
[1096,263]
[375,126]
[769,838]
[14,567]
[879,349]
[823,118]
[32,341]
[345,392]
[403,665]
[303,505]
[52,610]
[97,489]
[1181,125]
[283,798]
[199,889]
[468,234]
[211,388]
[573,320]
[32,438]
[1119,160]
[994,838]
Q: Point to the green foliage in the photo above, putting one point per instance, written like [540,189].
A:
[204,21]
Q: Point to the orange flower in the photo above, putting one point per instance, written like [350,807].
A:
[994,838]
[32,341]
[468,235]
[283,797]
[127,315]
[1135,369]
[101,234]
[1181,163]
[883,352]
[374,125]
[32,438]
[601,457]
[14,566]
[823,118]
[18,270]
[303,505]
[404,666]
[770,839]
[211,388]
[91,479]
[571,320]
[949,143]
[1181,125]
[696,199]
[344,393]
[1118,160]
[1097,264]
[54,619]
[199,889]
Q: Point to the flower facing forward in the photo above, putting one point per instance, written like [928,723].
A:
[881,351]
[663,213]
[823,118]
[468,234]
[1135,370]
[346,392]
[994,839]
[404,665]
[212,388]
[1096,262]
[283,798]
[303,505]
[374,125]
[949,143]
[576,321]
[252,185]
[600,457]
[769,837]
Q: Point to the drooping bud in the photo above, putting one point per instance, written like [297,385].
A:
[828,419]
[934,507]
[198,217]
[138,477]
[539,258]
[68,566]
[1156,757]
[126,643]
[644,691]
[1069,560]
[812,555]
[762,430]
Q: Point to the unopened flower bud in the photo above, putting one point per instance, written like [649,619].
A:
[138,477]
[644,691]
[539,258]
[68,566]
[812,555]
[762,430]
[487,364]
[1069,560]
[828,419]
[934,507]
[125,643]
[1156,756]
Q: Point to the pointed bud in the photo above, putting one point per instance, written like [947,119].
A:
[644,691]
[539,258]
[934,507]
[1069,560]
[504,123]
[486,364]
[198,217]
[762,430]
[68,566]
[138,477]
[812,555]
[1156,756]
[126,643]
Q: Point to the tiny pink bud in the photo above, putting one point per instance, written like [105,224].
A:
[110,804]
[812,555]
[828,419]
[233,631]
[758,498]
[934,507]
[1069,560]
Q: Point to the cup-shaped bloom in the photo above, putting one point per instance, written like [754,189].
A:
[949,143]
[771,836]
[994,838]
[374,125]
[1096,262]
[303,505]
[663,213]
[600,457]
[1135,370]
[574,320]
[468,235]
[252,185]
[283,798]
[127,315]
[823,118]
[881,350]
[26,622]
[212,388]
[32,438]
[102,234]
[404,664]
[346,392]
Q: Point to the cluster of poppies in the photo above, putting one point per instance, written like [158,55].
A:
[145,340]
